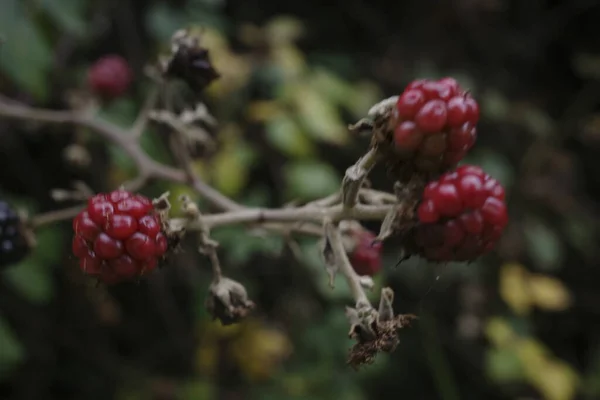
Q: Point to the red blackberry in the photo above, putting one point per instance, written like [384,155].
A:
[118,237]
[433,125]
[461,215]
[13,246]
[110,76]
[365,256]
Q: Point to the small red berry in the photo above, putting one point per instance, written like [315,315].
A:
[457,111]
[447,200]
[409,103]
[432,116]
[110,76]
[433,145]
[118,237]
[468,206]
[472,110]
[436,91]
[427,212]
[407,137]
[120,226]
[366,255]
[452,84]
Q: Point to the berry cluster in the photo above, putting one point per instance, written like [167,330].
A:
[110,76]
[434,124]
[118,237]
[461,216]
[366,255]
[13,246]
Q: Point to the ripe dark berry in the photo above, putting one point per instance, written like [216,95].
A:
[442,118]
[110,76]
[461,216]
[118,237]
[366,255]
[13,246]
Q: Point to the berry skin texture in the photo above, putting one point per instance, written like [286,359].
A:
[118,237]
[461,216]
[13,246]
[110,77]
[434,124]
[366,255]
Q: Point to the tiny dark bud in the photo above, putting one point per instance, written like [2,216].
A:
[228,301]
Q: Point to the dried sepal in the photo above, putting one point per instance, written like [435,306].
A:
[228,301]
[375,331]
[387,226]
[327,253]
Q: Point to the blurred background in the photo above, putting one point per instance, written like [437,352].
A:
[520,323]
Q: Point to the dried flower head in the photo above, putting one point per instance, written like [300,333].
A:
[228,301]
[375,330]
[189,61]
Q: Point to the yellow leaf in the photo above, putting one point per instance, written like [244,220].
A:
[556,380]
[283,30]
[549,293]
[290,60]
[499,332]
[175,191]
[533,355]
[262,111]
[206,359]
[513,288]
[260,350]
[320,117]
[229,167]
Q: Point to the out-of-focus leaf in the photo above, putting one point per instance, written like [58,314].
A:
[241,245]
[549,293]
[366,94]
[503,365]
[11,351]
[544,245]
[499,332]
[121,112]
[285,135]
[587,65]
[580,231]
[310,179]
[230,167]
[284,29]
[557,381]
[494,105]
[331,86]
[260,350]
[290,61]
[198,389]
[319,116]
[514,288]
[263,111]
[67,14]
[494,164]
[25,54]
[33,280]
[163,21]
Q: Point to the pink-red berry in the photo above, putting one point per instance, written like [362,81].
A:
[435,123]
[366,254]
[118,237]
[110,76]
[461,215]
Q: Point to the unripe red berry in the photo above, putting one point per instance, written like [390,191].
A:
[118,237]
[110,76]
[467,206]
[433,125]
[366,255]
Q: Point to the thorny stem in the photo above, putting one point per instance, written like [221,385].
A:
[352,278]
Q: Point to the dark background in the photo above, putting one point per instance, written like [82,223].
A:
[487,330]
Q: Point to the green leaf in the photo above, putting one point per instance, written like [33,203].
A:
[240,245]
[544,245]
[25,54]
[67,14]
[11,351]
[283,133]
[122,112]
[503,366]
[33,280]
[310,179]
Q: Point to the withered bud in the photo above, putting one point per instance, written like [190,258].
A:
[190,208]
[228,301]
[189,61]
[375,331]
